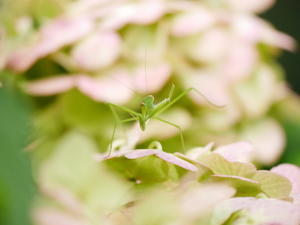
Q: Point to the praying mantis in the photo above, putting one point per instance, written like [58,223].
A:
[150,110]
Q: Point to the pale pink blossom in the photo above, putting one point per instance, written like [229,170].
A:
[150,79]
[253,6]
[207,194]
[211,85]
[118,86]
[143,12]
[211,46]
[191,22]
[240,61]
[279,39]
[168,157]
[236,152]
[257,93]
[107,89]
[52,216]
[140,153]
[195,153]
[223,119]
[259,211]
[292,173]
[256,30]
[52,37]
[64,197]
[148,11]
[99,50]
[245,27]
[51,85]
[268,140]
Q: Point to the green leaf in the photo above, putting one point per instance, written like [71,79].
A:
[274,185]
[221,166]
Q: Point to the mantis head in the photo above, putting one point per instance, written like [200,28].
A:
[148,101]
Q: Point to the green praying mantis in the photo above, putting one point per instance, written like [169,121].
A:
[150,110]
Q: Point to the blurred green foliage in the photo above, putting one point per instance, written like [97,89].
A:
[16,184]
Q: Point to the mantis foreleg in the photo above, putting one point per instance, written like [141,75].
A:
[118,121]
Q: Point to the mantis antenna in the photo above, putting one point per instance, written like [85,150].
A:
[146,81]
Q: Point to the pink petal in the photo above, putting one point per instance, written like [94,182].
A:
[108,89]
[148,12]
[139,153]
[60,32]
[97,51]
[279,39]
[266,150]
[22,59]
[205,51]
[246,27]
[292,173]
[240,61]
[143,12]
[195,153]
[192,22]
[104,156]
[239,151]
[177,161]
[64,197]
[118,17]
[151,80]
[208,194]
[211,86]
[51,216]
[262,211]
[253,6]
[253,29]
[50,86]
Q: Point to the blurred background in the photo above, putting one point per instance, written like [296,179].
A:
[25,117]
[284,15]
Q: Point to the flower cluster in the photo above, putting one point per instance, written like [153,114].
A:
[149,186]
[110,50]
[114,51]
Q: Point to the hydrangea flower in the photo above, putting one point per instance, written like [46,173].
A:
[93,194]
[111,50]
[99,51]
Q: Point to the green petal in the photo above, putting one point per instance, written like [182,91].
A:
[272,184]
[221,166]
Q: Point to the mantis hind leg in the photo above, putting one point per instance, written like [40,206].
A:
[176,126]
[181,95]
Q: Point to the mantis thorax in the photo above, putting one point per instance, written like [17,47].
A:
[147,108]
[147,105]
[148,101]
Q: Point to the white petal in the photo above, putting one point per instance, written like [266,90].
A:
[139,153]
[177,161]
